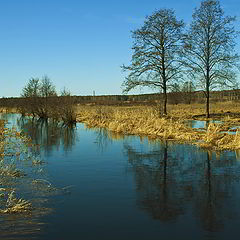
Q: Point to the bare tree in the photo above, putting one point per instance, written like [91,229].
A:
[32,88]
[209,48]
[38,93]
[31,92]
[155,56]
[39,88]
[47,89]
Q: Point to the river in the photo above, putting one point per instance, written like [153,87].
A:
[127,187]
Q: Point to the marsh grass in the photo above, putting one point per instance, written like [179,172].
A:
[15,205]
[137,121]
[147,121]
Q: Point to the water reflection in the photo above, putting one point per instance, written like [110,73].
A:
[49,134]
[176,185]
[102,139]
[19,169]
[171,179]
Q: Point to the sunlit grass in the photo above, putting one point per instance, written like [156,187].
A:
[146,121]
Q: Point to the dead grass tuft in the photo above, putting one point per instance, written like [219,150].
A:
[16,206]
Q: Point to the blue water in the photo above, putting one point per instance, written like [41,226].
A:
[201,124]
[127,187]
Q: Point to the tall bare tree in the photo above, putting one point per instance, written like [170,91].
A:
[209,48]
[32,88]
[38,93]
[155,56]
[47,89]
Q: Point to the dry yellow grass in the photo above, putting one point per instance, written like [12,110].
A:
[15,205]
[135,120]
[214,138]
[145,121]
[217,110]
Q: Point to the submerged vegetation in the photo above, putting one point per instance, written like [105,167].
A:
[9,173]
[20,166]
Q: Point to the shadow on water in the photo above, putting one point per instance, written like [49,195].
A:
[171,178]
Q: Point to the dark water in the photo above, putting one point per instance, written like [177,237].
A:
[130,187]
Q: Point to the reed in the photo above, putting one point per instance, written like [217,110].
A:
[146,121]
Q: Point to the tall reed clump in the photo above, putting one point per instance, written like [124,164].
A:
[214,138]
[229,142]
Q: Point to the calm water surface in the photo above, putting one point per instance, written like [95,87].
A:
[128,188]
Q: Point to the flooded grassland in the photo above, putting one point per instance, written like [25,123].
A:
[147,121]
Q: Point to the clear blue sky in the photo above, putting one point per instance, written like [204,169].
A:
[78,44]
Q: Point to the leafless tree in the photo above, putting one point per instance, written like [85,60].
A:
[155,60]
[47,89]
[209,48]
[32,88]
[37,94]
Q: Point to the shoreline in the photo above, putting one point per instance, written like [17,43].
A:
[130,121]
[147,122]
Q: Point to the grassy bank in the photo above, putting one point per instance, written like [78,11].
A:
[147,121]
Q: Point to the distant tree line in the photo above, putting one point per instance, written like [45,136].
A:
[69,102]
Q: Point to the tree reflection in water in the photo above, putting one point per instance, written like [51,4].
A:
[49,134]
[170,178]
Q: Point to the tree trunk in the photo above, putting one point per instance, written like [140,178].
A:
[207,105]
[165,102]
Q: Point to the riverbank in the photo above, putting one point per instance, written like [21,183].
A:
[147,121]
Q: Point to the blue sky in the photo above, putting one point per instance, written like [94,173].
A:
[80,45]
